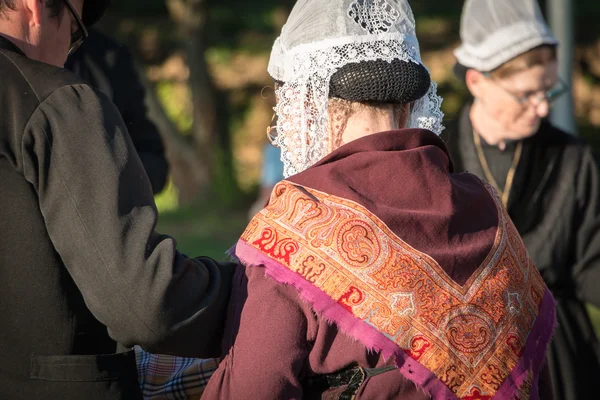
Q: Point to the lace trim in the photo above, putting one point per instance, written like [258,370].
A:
[302,105]
[374,16]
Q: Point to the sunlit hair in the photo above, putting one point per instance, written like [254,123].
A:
[349,108]
[541,55]
[340,111]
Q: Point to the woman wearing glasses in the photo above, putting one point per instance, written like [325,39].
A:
[547,179]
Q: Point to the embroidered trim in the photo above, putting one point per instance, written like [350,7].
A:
[471,338]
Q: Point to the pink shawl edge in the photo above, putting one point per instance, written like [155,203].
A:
[533,353]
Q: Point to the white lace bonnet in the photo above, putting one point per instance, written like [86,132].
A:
[320,37]
[495,31]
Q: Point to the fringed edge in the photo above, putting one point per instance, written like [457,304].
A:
[532,357]
[347,323]
[534,352]
[230,254]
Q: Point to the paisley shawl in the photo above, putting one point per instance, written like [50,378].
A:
[484,338]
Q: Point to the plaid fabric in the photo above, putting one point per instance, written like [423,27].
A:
[169,377]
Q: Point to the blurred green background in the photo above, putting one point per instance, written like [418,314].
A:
[234,38]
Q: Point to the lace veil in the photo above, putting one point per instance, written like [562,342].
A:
[320,37]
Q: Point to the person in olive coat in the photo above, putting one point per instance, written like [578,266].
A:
[81,265]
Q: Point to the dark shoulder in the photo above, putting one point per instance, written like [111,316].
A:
[26,86]
[97,39]
[104,50]
[555,136]
[551,136]
[40,78]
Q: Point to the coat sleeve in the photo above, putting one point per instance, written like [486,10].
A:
[266,341]
[586,270]
[100,215]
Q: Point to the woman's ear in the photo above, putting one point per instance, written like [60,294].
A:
[475,81]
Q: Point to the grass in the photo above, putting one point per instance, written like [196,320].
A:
[204,229]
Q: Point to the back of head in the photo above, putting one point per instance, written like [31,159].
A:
[357,50]
[49,30]
[494,32]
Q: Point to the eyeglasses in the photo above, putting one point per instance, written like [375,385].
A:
[536,97]
[80,33]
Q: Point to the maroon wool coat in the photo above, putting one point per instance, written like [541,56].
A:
[274,340]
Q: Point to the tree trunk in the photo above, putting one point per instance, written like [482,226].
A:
[210,117]
[188,173]
[204,113]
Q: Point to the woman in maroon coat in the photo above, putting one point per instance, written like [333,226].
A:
[375,272]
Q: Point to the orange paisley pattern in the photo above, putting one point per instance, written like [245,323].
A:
[469,336]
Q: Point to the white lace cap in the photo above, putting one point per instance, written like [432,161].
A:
[320,37]
[495,31]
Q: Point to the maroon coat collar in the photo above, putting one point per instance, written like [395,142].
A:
[405,178]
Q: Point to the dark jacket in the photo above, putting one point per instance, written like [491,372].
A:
[555,205]
[108,66]
[78,250]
